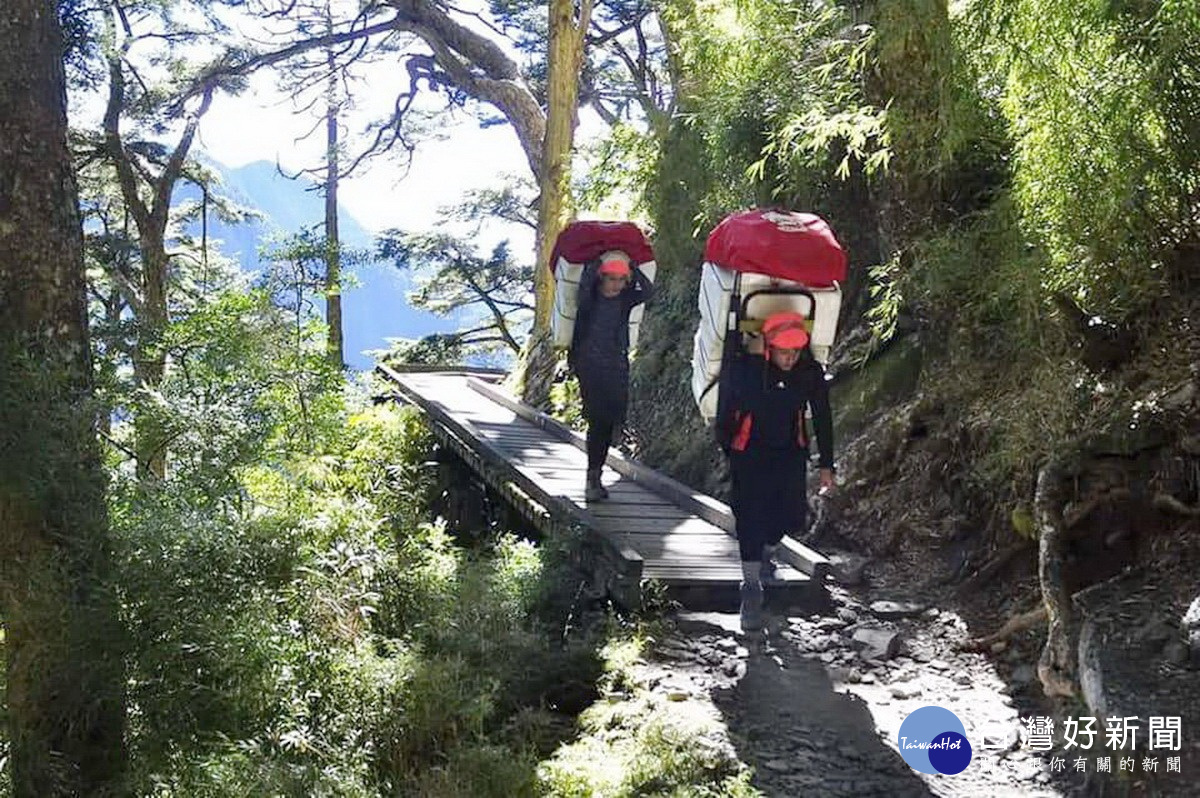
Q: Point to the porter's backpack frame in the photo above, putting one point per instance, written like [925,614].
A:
[758,263]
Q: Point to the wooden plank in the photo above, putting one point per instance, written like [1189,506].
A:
[618,508]
[681,543]
[558,484]
[643,519]
[661,526]
[672,571]
[625,498]
[717,513]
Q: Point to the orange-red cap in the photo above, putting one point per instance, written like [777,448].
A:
[615,262]
[615,266]
[785,331]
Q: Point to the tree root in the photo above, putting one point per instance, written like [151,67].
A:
[1013,626]
[1057,664]
[1075,515]
[1168,503]
[994,566]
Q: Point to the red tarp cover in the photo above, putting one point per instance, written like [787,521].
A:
[579,242]
[785,244]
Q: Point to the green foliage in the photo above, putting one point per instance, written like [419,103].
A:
[1101,101]
[307,634]
[455,278]
[641,745]
[980,282]
[566,404]
[617,172]
[436,349]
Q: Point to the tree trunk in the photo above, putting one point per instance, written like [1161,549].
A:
[913,61]
[150,363]
[333,253]
[151,220]
[555,206]
[64,665]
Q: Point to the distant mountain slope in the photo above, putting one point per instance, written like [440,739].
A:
[374,309]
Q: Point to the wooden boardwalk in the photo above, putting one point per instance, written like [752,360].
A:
[650,528]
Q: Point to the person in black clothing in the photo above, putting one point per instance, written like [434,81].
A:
[609,288]
[762,429]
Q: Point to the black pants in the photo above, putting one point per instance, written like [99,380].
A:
[768,497]
[604,388]
[599,438]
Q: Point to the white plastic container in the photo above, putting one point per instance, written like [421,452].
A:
[797,264]
[717,319]
[577,244]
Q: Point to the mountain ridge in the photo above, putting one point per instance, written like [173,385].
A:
[374,305]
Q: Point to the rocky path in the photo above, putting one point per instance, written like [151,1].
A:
[814,704]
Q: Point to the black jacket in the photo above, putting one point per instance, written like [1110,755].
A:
[762,407]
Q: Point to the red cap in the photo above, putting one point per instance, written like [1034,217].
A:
[785,331]
[615,262]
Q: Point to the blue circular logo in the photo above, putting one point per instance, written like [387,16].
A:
[933,740]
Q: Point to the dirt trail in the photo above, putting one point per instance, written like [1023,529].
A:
[816,714]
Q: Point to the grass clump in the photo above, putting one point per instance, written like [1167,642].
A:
[636,742]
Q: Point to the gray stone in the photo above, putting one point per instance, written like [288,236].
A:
[847,615]
[876,643]
[891,610]
[920,655]
[1023,674]
[1191,618]
[962,678]
[848,569]
[778,765]
[940,665]
[903,691]
[1006,741]
[1176,653]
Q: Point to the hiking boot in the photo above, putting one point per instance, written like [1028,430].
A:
[751,609]
[768,571]
[594,491]
[769,568]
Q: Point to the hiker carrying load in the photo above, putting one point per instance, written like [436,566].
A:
[604,273]
[769,299]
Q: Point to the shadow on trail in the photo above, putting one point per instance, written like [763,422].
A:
[802,736]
